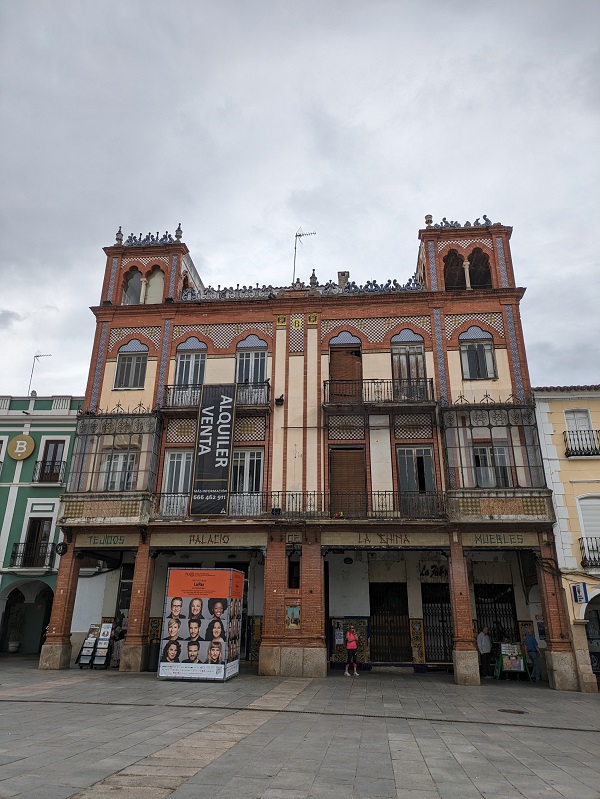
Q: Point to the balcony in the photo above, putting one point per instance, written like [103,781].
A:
[582,443]
[49,471]
[316,505]
[378,392]
[187,397]
[590,552]
[32,556]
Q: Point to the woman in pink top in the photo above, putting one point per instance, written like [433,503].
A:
[352,649]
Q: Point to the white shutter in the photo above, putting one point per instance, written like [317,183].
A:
[590,515]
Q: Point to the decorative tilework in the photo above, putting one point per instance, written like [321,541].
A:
[502,262]
[464,243]
[173,275]
[345,337]
[113,277]
[439,355]
[406,335]
[409,426]
[376,329]
[417,640]
[181,431]
[134,345]
[296,339]
[99,367]
[514,353]
[119,333]
[346,428]
[164,352]
[474,333]
[452,321]
[222,335]
[250,428]
[146,260]
[433,281]
[192,343]
[252,342]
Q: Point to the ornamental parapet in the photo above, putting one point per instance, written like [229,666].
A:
[102,508]
[509,505]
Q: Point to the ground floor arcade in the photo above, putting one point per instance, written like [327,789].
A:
[418,596]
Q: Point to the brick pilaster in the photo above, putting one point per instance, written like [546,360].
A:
[64,598]
[141,593]
[275,589]
[462,621]
[553,599]
[312,593]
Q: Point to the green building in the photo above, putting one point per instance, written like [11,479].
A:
[35,448]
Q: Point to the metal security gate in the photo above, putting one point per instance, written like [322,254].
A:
[390,629]
[495,608]
[437,622]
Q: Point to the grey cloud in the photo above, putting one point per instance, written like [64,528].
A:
[8,318]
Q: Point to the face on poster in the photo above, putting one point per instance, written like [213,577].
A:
[201,624]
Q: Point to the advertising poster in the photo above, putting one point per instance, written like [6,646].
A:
[201,624]
[212,461]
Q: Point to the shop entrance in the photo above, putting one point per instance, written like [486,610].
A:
[390,628]
[437,622]
[495,608]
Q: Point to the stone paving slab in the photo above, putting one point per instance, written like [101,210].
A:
[95,735]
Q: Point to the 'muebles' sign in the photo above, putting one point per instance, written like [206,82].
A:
[210,488]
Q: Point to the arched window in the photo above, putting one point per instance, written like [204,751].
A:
[155,287]
[251,371]
[189,373]
[408,365]
[477,354]
[131,365]
[454,272]
[345,368]
[479,269]
[132,287]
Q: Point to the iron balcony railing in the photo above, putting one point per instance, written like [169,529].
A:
[582,442]
[188,396]
[590,551]
[32,556]
[318,505]
[378,391]
[49,471]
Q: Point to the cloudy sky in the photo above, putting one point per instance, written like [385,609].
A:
[247,120]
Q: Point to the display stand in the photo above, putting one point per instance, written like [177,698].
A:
[103,652]
[87,652]
[511,660]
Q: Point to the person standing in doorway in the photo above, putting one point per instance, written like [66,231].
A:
[352,650]
[533,653]
[484,645]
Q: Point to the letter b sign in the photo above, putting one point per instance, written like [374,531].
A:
[20,447]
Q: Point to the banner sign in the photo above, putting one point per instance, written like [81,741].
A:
[201,624]
[214,440]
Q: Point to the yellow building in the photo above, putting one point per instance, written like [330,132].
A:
[569,425]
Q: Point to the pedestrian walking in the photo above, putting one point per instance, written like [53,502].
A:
[352,651]
[484,645]
[533,654]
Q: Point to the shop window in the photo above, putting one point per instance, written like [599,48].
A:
[132,288]
[477,354]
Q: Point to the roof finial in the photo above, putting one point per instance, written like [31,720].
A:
[119,236]
[178,232]
[429,220]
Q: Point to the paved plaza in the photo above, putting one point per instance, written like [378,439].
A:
[392,733]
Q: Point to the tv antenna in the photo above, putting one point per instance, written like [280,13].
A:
[36,358]
[298,237]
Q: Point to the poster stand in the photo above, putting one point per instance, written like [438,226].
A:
[511,660]
[103,652]
[86,653]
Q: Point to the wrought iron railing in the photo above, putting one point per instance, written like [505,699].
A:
[378,391]
[317,505]
[188,396]
[32,556]
[590,551]
[49,471]
[582,442]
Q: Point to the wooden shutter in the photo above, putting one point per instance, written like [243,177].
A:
[345,372]
[347,482]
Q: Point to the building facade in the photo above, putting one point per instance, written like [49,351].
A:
[383,468]
[569,421]
[36,436]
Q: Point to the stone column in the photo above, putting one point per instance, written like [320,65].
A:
[560,658]
[56,652]
[134,655]
[464,654]
[587,679]
[312,586]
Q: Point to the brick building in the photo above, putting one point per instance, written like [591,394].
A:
[385,468]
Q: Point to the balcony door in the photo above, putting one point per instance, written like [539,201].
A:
[246,483]
[345,373]
[176,483]
[347,482]
[189,377]
[251,372]
[51,466]
[582,440]
[37,543]
[408,371]
[416,482]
